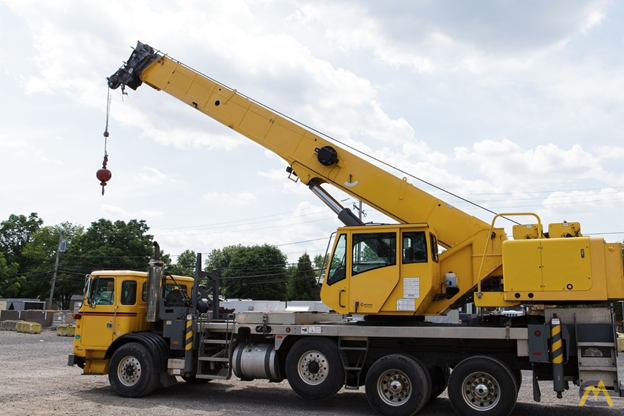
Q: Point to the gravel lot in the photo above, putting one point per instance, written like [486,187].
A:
[36,380]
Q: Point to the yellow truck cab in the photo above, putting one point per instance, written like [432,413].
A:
[115,304]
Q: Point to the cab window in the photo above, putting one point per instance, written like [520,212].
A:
[372,251]
[102,291]
[338,261]
[128,292]
[414,247]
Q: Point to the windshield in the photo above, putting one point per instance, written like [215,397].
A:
[338,261]
[101,291]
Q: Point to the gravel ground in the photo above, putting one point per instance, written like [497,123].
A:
[36,380]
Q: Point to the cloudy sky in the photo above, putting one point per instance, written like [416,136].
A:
[515,105]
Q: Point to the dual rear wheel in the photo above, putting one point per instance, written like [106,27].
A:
[401,385]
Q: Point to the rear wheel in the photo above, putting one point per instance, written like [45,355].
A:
[397,385]
[482,386]
[132,372]
[314,368]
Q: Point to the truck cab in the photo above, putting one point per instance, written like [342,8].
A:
[115,304]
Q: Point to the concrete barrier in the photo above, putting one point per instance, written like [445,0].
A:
[9,325]
[63,318]
[620,342]
[66,330]
[28,327]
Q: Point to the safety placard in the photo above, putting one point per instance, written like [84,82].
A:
[411,287]
[406,304]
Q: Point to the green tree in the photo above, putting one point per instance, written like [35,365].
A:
[320,261]
[108,245]
[10,283]
[255,272]
[40,255]
[303,285]
[185,265]
[220,258]
[15,233]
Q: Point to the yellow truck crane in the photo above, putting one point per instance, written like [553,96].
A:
[176,328]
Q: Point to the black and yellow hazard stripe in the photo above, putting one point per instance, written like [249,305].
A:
[189,335]
[556,355]
[556,344]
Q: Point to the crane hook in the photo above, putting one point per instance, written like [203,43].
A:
[104,175]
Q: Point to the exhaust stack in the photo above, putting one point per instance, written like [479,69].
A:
[154,285]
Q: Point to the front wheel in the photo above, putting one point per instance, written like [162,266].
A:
[397,385]
[314,368]
[132,372]
[482,386]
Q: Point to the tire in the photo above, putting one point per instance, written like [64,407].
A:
[398,385]
[314,368]
[132,372]
[439,380]
[482,386]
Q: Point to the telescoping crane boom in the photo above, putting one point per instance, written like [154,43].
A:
[407,277]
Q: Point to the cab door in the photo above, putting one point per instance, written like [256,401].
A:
[98,313]
[417,279]
[374,269]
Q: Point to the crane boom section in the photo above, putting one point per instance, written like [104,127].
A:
[301,148]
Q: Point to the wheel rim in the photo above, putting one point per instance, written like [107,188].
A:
[129,371]
[313,368]
[481,391]
[394,387]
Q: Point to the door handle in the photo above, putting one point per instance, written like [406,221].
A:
[340,298]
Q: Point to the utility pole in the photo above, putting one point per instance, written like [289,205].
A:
[58,252]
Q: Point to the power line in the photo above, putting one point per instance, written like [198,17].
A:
[222,224]
[261,228]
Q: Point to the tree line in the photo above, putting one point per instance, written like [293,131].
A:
[28,251]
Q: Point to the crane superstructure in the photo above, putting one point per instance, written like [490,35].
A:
[407,276]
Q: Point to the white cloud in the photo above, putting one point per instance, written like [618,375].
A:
[502,162]
[117,212]
[155,176]
[611,152]
[594,19]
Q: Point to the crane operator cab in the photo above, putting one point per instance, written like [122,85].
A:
[383,269]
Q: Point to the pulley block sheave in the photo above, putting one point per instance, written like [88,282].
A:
[327,155]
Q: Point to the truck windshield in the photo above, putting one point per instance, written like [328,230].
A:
[338,261]
[102,291]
